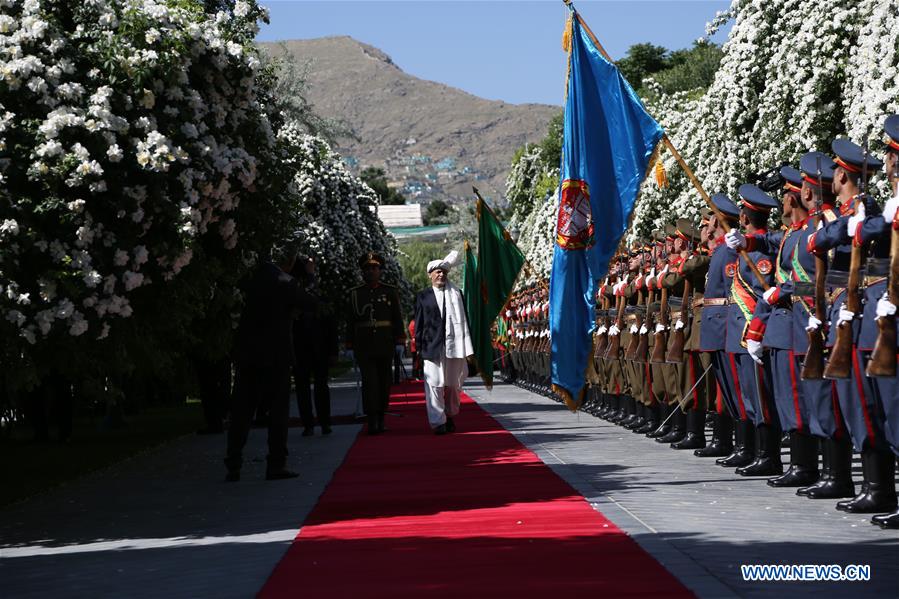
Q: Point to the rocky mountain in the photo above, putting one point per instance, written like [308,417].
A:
[434,141]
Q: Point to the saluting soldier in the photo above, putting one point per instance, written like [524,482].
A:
[773,321]
[375,333]
[713,334]
[754,373]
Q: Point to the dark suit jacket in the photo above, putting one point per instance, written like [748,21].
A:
[430,333]
[265,333]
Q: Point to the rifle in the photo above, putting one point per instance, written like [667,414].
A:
[840,361]
[602,339]
[631,352]
[614,347]
[642,352]
[676,351]
[883,358]
[813,365]
[661,338]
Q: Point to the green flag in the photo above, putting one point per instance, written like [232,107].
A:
[474,307]
[499,262]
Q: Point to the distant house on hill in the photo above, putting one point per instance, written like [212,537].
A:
[404,215]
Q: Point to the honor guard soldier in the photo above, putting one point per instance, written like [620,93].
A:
[374,333]
[885,312]
[863,415]
[772,329]
[746,291]
[713,336]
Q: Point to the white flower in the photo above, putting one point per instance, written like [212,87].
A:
[120,258]
[140,255]
[148,100]
[9,227]
[151,35]
[132,280]
[114,152]
[241,8]
[76,205]
[92,279]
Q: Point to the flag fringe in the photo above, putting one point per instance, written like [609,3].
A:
[568,399]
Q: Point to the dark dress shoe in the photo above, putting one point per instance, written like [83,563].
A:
[741,456]
[872,501]
[450,425]
[714,450]
[676,435]
[660,431]
[831,489]
[326,430]
[280,474]
[440,430]
[233,476]
[308,431]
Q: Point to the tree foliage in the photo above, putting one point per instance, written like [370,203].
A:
[376,178]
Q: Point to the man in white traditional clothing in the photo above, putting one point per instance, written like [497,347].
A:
[444,342]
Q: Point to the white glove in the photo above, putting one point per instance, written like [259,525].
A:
[734,239]
[400,348]
[660,328]
[650,276]
[767,295]
[633,329]
[663,271]
[755,350]
[884,307]
[813,324]
[350,355]
[643,330]
[856,219]
[614,330]
[601,330]
[890,209]
[845,316]
[679,324]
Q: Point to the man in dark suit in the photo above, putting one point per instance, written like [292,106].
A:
[315,345]
[443,338]
[264,356]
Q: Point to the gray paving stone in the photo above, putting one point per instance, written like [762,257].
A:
[164,524]
[699,520]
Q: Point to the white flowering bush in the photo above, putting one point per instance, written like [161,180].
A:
[335,216]
[139,170]
[794,75]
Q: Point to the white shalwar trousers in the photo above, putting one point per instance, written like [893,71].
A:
[443,382]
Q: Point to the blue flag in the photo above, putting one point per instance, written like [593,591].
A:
[609,142]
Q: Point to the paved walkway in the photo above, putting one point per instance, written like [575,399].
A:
[699,520]
[165,525]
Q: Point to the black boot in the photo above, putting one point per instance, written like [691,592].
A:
[803,469]
[887,520]
[824,474]
[840,483]
[620,412]
[652,420]
[722,438]
[768,461]
[372,424]
[744,452]
[695,438]
[679,430]
[639,420]
[665,422]
[879,494]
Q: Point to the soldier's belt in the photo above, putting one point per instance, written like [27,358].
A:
[803,289]
[873,279]
[714,301]
[375,324]
[837,278]
[877,267]
[699,303]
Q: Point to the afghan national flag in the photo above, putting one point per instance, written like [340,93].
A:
[499,262]
[474,308]
[608,144]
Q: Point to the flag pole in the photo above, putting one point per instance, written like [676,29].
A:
[683,164]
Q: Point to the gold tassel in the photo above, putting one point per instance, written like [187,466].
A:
[661,175]
[566,35]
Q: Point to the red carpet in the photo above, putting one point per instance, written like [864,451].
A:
[471,514]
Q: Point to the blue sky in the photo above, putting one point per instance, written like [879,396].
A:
[501,49]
